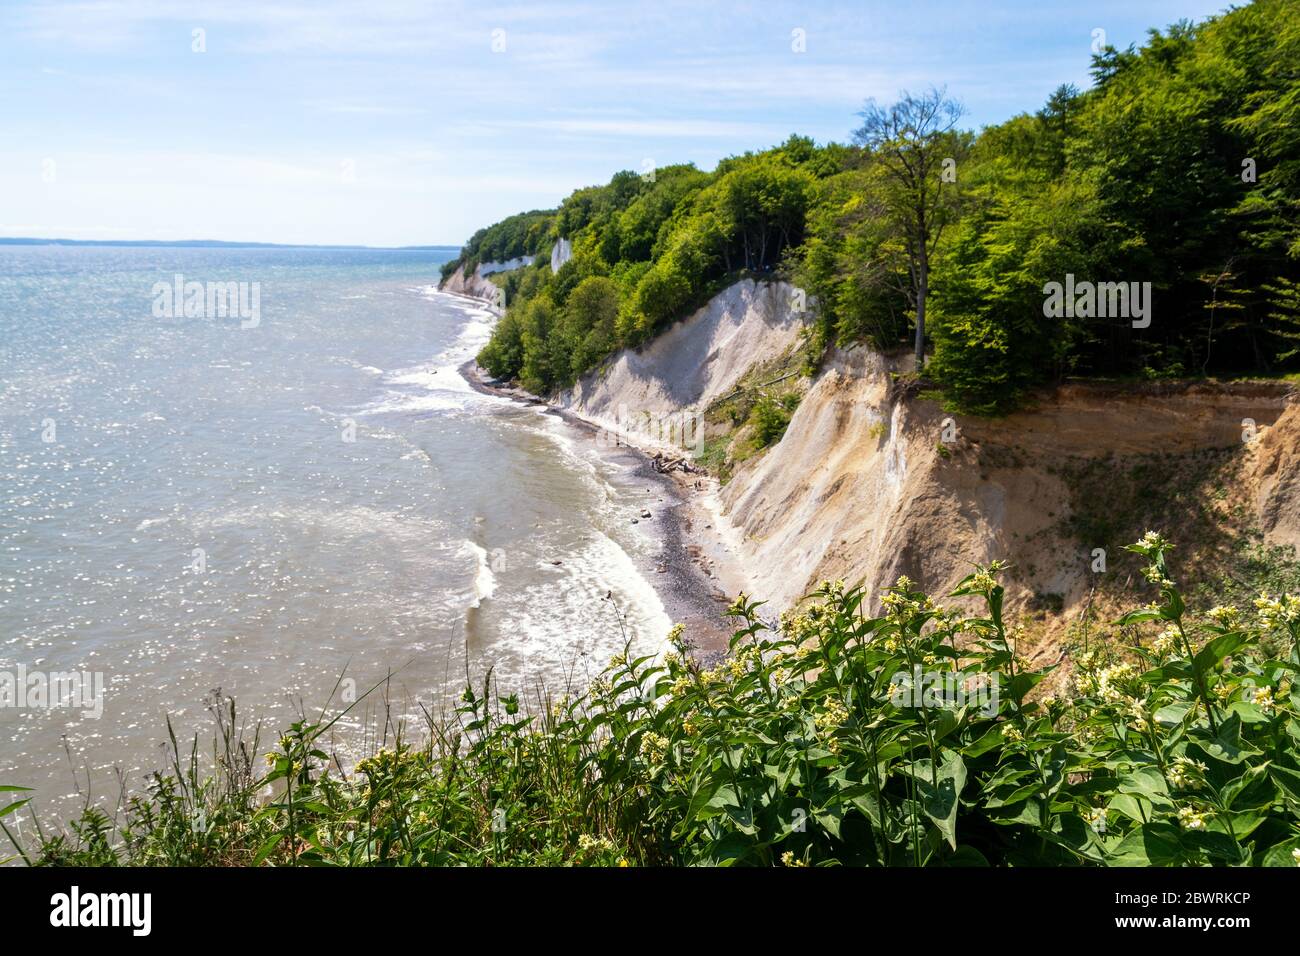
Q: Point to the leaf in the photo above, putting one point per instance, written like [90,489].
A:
[990,740]
[1136,617]
[1175,607]
[1219,648]
[1230,791]
[1287,779]
[1024,682]
[1030,814]
[724,797]
[1171,715]
[942,722]
[939,797]
[700,800]
[966,856]
[730,849]
[1008,799]
[830,818]
[265,849]
[784,777]
[742,820]
[1135,808]
[1249,713]
[1147,782]
[1280,855]
[1172,670]
[1152,844]
[1227,745]
[1218,846]
[14,806]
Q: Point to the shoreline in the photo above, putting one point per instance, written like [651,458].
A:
[689,568]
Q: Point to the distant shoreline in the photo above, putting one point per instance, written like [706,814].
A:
[690,595]
[208,244]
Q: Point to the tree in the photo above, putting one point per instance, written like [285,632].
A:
[590,317]
[854,265]
[992,342]
[914,146]
[760,206]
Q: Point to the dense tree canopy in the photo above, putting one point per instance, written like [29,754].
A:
[1179,167]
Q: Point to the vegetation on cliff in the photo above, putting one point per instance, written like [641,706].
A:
[831,737]
[1178,168]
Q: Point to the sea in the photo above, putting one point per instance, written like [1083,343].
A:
[257,474]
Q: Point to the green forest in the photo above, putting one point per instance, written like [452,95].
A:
[1179,167]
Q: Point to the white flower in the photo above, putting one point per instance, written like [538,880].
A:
[1139,716]
[1275,614]
[1111,681]
[1157,577]
[1153,540]
[1186,774]
[654,747]
[1192,819]
[1166,642]
[590,843]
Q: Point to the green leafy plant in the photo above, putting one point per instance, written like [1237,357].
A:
[770,417]
[832,736]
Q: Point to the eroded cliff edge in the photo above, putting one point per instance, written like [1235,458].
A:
[872,479]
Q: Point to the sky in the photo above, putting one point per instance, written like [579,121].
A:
[395,122]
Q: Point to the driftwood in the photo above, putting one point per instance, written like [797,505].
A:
[664,464]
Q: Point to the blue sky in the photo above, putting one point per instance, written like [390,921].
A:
[393,122]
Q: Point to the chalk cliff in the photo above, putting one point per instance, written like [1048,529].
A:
[872,479]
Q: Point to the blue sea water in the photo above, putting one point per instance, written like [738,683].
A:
[194,503]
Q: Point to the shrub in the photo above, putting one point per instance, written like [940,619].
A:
[770,417]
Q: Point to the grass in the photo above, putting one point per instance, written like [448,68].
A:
[714,458]
[831,737]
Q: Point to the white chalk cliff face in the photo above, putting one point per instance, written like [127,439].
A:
[695,361]
[561,253]
[476,285]
[863,487]
[472,285]
[487,268]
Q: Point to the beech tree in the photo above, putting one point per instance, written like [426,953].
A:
[914,147]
